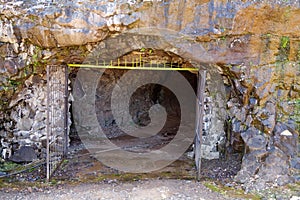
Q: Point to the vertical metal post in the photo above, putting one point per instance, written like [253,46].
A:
[199,120]
[66,111]
[48,126]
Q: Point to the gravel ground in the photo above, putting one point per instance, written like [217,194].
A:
[83,177]
[137,190]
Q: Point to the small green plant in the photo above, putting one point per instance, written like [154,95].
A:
[149,51]
[284,49]
[14,83]
[36,61]
[230,191]
[33,18]
[8,166]
[223,37]
[266,36]
[54,182]
[285,41]
[64,163]
[11,85]
[32,169]
[213,187]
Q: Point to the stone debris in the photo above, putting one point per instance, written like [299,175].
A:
[286,133]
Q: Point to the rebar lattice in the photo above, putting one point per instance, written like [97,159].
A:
[57,116]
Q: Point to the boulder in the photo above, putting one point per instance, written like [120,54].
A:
[254,140]
[25,154]
[286,139]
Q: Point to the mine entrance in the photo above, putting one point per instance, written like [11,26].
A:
[141,102]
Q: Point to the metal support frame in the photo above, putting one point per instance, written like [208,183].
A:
[167,67]
[48,126]
[199,120]
[57,138]
[66,97]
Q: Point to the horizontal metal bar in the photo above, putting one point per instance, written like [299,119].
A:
[127,67]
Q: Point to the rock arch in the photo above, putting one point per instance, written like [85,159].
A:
[191,51]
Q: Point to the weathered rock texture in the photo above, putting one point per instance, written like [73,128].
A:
[254,46]
[28,112]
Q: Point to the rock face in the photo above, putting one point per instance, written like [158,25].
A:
[250,50]
[28,114]
[27,128]
[268,162]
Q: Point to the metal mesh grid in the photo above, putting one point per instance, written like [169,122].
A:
[57,116]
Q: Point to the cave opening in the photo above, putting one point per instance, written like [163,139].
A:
[140,104]
[143,98]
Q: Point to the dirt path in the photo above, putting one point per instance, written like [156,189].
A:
[137,190]
[81,176]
